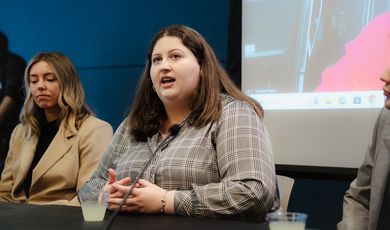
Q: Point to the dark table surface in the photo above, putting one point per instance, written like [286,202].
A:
[23,216]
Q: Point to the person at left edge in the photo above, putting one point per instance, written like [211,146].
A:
[59,143]
[11,94]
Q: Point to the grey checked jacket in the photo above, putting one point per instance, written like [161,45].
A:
[224,169]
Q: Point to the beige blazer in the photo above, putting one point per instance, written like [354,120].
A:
[67,164]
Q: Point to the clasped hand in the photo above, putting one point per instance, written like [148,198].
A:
[145,197]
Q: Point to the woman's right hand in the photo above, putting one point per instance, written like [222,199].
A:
[108,187]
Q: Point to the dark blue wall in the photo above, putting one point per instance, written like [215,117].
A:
[107,40]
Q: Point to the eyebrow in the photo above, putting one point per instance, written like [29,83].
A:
[45,74]
[170,51]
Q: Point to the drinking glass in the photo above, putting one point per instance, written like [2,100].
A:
[93,205]
[287,221]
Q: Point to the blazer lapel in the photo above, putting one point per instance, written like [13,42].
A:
[60,145]
[26,157]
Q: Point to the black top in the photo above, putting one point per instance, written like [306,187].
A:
[48,131]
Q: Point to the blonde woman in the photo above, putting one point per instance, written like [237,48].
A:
[59,143]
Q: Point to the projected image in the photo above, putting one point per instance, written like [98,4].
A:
[313,54]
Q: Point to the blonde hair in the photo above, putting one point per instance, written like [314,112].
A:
[73,109]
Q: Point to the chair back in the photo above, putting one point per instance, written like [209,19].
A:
[285,185]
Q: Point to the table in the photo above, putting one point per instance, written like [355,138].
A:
[27,216]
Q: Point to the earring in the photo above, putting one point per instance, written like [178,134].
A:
[153,88]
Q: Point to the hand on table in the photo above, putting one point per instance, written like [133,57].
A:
[145,197]
[113,192]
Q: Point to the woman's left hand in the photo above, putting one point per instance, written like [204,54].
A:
[145,197]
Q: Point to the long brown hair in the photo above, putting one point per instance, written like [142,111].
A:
[148,110]
[73,109]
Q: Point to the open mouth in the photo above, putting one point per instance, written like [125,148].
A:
[166,80]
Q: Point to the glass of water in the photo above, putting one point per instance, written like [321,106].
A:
[93,205]
[287,221]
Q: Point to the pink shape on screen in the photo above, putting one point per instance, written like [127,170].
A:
[365,59]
